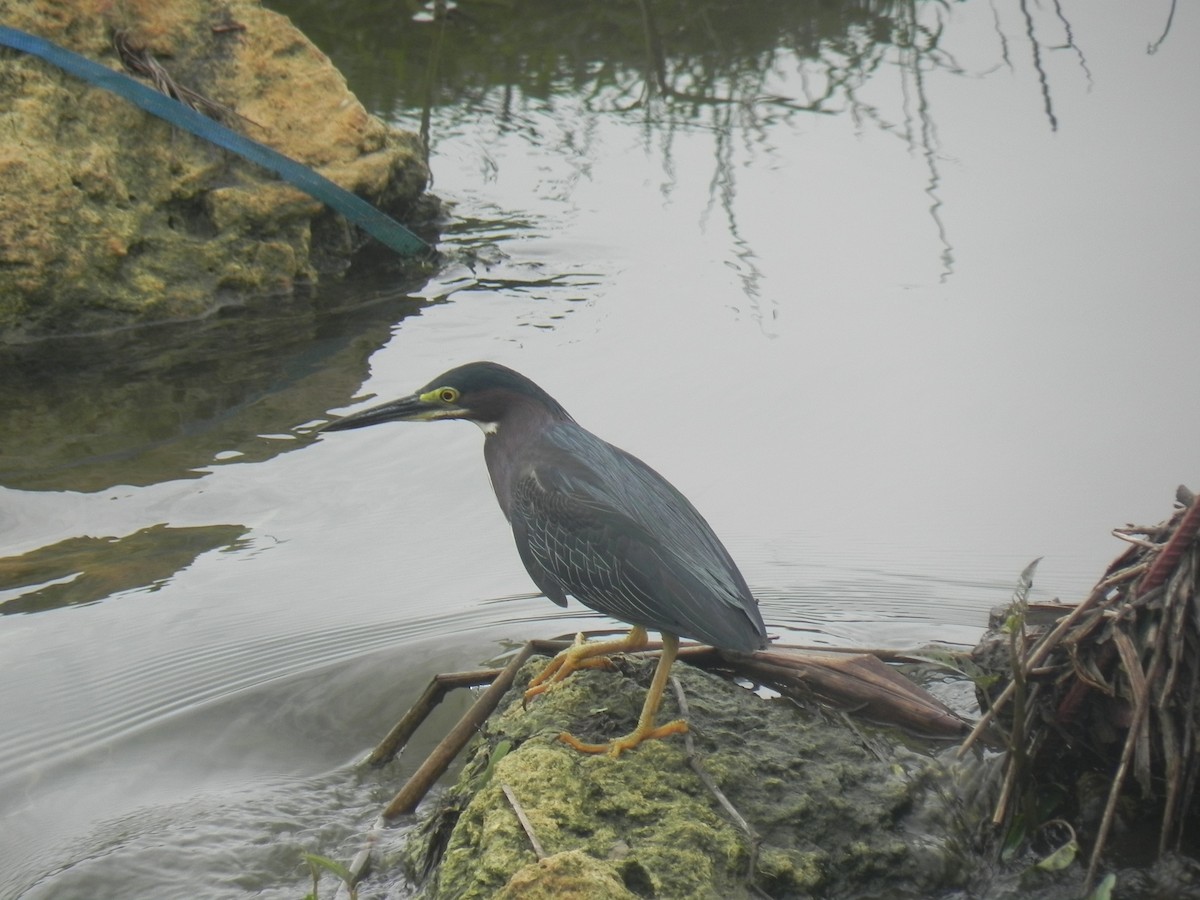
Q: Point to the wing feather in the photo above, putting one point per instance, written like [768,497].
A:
[597,523]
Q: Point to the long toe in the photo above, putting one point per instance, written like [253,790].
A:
[563,664]
[582,654]
[634,738]
[544,678]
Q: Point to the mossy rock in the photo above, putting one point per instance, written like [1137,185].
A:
[832,818]
[114,217]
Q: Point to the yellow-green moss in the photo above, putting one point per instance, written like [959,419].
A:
[114,217]
[829,813]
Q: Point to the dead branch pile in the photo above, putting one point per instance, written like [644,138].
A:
[1111,688]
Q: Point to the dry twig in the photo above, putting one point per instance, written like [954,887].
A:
[524,820]
[439,760]
[139,60]
[689,747]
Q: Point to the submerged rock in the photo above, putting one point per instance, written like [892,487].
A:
[834,811]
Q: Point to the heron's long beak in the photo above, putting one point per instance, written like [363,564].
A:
[407,409]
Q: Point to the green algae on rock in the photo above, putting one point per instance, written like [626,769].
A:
[831,817]
[114,218]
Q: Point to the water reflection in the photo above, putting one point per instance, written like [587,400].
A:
[622,57]
[544,71]
[86,569]
[1154,46]
[146,406]
[735,69]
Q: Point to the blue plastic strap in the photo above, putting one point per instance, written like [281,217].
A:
[379,225]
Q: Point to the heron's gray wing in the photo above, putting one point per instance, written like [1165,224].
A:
[597,523]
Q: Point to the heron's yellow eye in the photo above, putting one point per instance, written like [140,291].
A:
[447,395]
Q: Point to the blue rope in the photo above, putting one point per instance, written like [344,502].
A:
[380,226]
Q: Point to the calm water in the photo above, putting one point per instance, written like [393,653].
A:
[902,297]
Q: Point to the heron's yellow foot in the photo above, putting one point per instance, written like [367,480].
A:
[646,729]
[582,655]
[631,740]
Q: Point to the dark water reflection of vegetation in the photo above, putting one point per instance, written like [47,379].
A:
[144,406]
[620,55]
[83,570]
[734,68]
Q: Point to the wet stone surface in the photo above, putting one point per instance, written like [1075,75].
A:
[833,817]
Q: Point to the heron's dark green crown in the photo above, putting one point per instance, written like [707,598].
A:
[488,391]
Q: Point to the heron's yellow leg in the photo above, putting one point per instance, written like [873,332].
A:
[646,729]
[584,655]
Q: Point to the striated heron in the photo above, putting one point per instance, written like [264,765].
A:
[595,522]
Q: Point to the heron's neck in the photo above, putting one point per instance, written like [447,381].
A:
[507,444]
